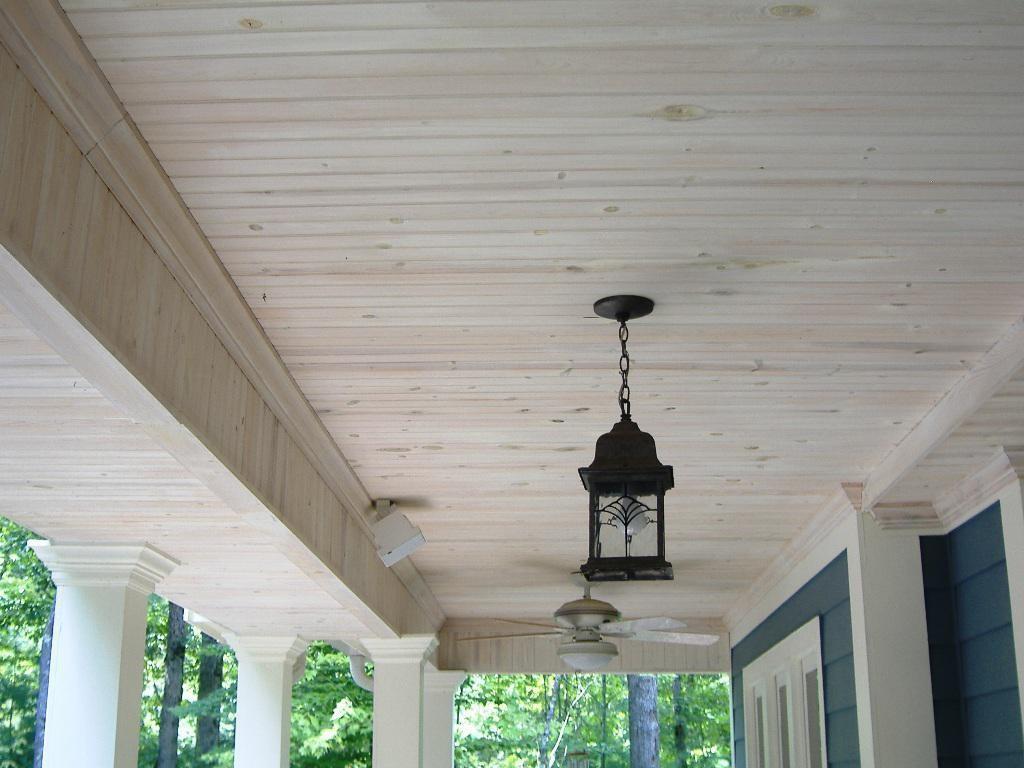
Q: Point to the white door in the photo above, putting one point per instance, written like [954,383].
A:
[783,703]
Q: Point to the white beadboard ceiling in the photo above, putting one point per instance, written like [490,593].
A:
[421,201]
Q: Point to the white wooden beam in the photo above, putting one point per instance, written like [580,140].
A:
[983,380]
[75,269]
[53,57]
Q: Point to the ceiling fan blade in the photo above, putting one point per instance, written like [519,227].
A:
[546,625]
[637,625]
[506,637]
[680,638]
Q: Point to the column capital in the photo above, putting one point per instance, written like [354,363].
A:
[139,567]
[267,649]
[409,648]
[443,680]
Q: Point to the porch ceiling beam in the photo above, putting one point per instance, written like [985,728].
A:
[51,54]
[76,269]
[970,392]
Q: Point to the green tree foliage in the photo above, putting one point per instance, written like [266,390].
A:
[500,718]
[26,595]
[332,717]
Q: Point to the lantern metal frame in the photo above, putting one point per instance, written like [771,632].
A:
[625,463]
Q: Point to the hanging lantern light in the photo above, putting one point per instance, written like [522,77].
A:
[626,482]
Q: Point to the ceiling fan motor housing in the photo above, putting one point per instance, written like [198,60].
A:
[586,613]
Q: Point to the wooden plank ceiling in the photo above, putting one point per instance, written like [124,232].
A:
[73,468]
[420,201]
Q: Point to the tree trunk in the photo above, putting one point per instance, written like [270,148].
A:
[604,718]
[174,664]
[545,736]
[679,726]
[44,688]
[211,681]
[644,733]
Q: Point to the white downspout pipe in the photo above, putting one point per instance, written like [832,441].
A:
[356,665]
[357,668]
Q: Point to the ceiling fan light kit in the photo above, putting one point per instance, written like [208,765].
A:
[587,652]
[626,481]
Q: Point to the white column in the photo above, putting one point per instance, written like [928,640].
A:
[266,671]
[439,717]
[99,643]
[895,714]
[398,699]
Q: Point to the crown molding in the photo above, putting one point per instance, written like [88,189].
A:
[976,492]
[970,495]
[907,516]
[50,52]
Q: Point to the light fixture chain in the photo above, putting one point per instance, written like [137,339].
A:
[624,407]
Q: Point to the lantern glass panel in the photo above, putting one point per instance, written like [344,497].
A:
[628,523]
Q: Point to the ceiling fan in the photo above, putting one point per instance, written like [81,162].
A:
[585,622]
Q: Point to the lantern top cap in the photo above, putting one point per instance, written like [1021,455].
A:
[623,307]
[627,449]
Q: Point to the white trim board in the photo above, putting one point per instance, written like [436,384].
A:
[1011,508]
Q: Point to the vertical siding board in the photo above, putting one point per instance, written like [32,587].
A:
[27,143]
[971,645]
[8,82]
[52,238]
[826,596]
[85,199]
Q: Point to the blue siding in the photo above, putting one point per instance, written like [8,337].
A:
[970,641]
[827,596]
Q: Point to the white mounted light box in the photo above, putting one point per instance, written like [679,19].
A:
[396,537]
